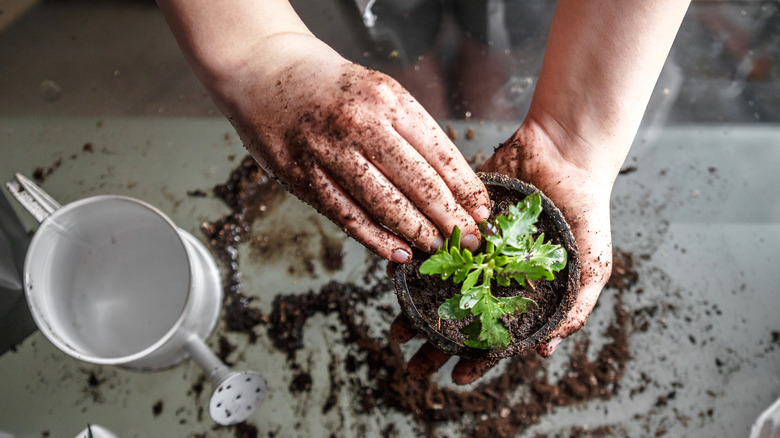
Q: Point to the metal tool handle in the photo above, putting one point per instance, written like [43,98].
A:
[37,202]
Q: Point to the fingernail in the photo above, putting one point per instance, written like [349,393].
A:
[481,214]
[401,256]
[469,241]
[437,244]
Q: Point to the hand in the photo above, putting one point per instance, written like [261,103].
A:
[355,145]
[582,194]
[580,188]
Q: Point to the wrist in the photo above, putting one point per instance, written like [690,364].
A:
[546,157]
[239,84]
[597,153]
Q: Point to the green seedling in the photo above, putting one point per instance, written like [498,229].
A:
[511,253]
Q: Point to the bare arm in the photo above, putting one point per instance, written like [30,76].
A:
[602,61]
[217,37]
[601,64]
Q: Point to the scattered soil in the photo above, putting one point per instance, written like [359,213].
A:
[94,385]
[41,173]
[196,193]
[241,430]
[250,194]
[157,408]
[452,133]
[301,383]
[490,406]
[197,388]
[623,275]
[489,403]
[225,348]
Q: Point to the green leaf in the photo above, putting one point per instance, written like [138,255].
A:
[521,219]
[493,332]
[467,256]
[522,270]
[517,304]
[447,264]
[473,343]
[450,309]
[468,301]
[472,331]
[439,263]
[549,255]
[455,238]
[471,280]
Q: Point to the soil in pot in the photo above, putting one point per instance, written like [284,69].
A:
[425,293]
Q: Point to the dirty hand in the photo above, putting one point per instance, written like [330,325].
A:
[582,194]
[581,191]
[355,145]
[601,63]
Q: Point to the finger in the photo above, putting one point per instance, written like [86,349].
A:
[596,267]
[423,186]
[401,330]
[426,361]
[467,371]
[334,203]
[423,133]
[380,198]
[575,320]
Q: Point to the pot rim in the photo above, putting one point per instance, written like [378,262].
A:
[40,317]
[544,334]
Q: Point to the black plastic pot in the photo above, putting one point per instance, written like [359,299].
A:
[410,284]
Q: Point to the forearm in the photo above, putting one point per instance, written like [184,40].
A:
[217,37]
[602,61]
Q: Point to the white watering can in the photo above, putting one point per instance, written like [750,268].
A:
[111,280]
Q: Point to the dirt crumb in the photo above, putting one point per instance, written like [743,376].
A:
[624,275]
[452,133]
[157,408]
[250,194]
[301,383]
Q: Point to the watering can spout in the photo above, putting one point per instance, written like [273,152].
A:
[235,394]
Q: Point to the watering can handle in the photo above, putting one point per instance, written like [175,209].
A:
[33,198]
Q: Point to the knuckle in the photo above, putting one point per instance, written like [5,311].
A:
[472,194]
